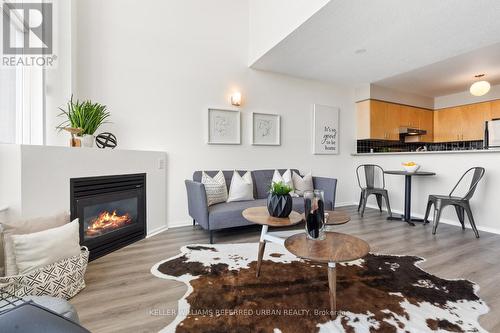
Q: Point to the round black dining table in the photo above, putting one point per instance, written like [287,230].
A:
[407,213]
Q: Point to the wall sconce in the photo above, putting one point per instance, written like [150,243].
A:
[236,99]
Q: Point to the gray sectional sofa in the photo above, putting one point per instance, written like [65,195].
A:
[228,214]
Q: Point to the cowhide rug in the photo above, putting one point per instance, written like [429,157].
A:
[380,293]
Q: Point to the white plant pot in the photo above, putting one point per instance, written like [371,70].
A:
[88,141]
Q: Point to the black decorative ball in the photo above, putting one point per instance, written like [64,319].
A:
[106,140]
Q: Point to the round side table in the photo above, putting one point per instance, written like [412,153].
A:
[260,215]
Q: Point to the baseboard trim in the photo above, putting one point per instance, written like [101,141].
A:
[180,224]
[343,204]
[445,221]
[157,231]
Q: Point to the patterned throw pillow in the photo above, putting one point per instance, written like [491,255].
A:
[215,188]
[302,184]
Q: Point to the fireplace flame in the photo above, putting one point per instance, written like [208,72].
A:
[107,221]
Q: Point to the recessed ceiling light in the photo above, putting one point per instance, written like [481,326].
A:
[480,88]
[360,51]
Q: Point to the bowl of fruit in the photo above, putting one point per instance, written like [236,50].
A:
[411,167]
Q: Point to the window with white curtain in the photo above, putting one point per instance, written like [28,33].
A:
[22,114]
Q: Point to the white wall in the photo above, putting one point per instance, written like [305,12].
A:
[465,97]
[449,167]
[272,20]
[37,178]
[159,65]
[390,95]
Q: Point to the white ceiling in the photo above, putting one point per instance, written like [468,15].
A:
[449,76]
[399,37]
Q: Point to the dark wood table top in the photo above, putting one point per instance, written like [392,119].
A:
[335,217]
[336,247]
[406,173]
[260,215]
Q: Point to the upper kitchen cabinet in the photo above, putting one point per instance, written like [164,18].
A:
[376,120]
[495,109]
[447,125]
[461,123]
[426,122]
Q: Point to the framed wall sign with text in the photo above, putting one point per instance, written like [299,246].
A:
[325,130]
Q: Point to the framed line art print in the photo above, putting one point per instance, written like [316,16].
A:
[266,129]
[224,127]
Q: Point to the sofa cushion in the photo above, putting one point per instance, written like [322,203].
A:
[262,181]
[215,188]
[21,227]
[43,248]
[302,184]
[58,305]
[241,188]
[229,214]
[228,175]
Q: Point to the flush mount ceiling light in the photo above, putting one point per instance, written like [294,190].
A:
[480,88]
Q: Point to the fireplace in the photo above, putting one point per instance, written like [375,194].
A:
[111,211]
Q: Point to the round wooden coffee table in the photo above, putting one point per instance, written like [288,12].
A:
[335,248]
[260,215]
[335,218]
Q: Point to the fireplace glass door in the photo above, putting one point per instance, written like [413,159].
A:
[103,218]
[109,215]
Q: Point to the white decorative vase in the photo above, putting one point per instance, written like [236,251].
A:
[88,140]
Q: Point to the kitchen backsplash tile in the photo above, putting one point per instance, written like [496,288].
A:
[384,146]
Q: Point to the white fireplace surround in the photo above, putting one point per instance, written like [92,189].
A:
[34,180]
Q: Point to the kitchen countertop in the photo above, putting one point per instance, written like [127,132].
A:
[483,151]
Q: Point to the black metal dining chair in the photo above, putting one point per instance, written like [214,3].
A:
[461,204]
[374,184]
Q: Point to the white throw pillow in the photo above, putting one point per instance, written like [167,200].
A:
[46,247]
[241,188]
[302,184]
[215,188]
[286,179]
[21,227]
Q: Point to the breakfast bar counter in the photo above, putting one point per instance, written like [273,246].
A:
[476,151]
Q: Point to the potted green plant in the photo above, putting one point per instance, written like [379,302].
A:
[83,119]
[279,200]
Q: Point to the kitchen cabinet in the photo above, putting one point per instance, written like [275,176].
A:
[494,110]
[473,119]
[426,122]
[408,116]
[461,123]
[378,120]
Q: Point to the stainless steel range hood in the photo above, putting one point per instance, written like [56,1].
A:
[409,131]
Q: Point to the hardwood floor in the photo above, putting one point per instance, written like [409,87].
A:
[123,296]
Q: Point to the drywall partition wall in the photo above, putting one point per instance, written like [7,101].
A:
[448,167]
[272,20]
[159,76]
[37,178]
[401,97]
[465,97]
